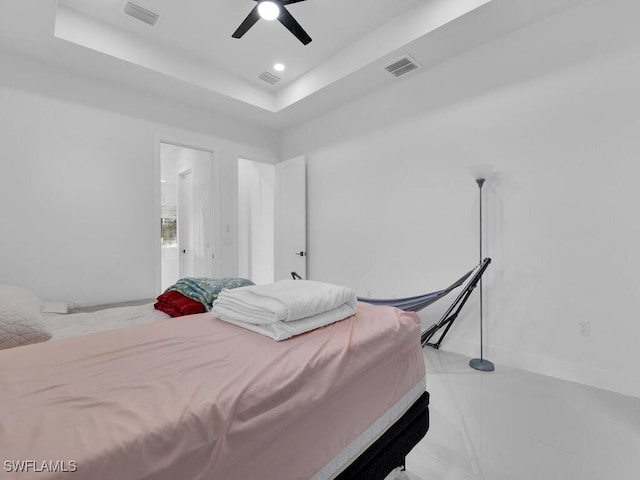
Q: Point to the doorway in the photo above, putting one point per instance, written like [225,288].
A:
[187,213]
[256,183]
[272,235]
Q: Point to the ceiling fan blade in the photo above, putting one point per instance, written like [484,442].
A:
[293,26]
[287,2]
[248,22]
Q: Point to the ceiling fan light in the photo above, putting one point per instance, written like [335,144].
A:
[268,10]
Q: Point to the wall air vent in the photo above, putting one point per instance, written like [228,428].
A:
[402,65]
[269,77]
[142,14]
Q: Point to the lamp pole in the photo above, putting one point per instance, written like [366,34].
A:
[481,363]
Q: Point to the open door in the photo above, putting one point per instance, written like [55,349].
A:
[291,219]
[186,257]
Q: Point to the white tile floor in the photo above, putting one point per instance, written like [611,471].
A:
[514,425]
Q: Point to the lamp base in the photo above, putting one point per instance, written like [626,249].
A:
[482,365]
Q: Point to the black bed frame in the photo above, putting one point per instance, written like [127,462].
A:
[390,450]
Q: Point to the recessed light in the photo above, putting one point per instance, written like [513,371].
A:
[278,67]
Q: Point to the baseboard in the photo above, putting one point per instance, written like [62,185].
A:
[573,372]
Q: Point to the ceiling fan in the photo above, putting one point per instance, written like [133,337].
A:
[271,10]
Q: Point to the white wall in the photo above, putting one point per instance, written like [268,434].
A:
[555,109]
[79,186]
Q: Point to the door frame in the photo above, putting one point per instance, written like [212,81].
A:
[197,143]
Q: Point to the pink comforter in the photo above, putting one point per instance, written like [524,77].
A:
[198,398]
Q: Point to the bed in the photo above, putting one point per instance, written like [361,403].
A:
[197,398]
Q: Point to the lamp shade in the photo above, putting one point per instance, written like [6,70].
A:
[482,170]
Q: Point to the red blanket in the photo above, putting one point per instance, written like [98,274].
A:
[176,304]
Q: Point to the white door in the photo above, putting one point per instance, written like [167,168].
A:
[291,219]
[185,224]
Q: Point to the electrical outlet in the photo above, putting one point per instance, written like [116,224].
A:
[584,328]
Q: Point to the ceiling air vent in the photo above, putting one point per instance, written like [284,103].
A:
[142,14]
[269,78]
[401,66]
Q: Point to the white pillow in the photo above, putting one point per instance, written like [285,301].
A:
[55,306]
[20,318]
[20,297]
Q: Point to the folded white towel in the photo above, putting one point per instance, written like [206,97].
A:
[283,330]
[284,301]
[285,308]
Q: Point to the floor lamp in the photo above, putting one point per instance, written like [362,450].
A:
[481,363]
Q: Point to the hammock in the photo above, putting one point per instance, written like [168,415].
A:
[417,303]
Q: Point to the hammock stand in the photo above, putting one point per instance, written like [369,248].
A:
[417,303]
